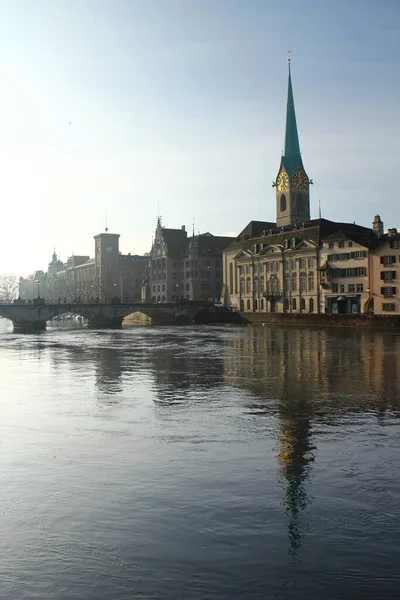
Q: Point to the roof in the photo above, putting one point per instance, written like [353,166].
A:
[291,155]
[175,240]
[357,233]
[314,230]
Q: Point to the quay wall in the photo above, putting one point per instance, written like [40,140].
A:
[322,320]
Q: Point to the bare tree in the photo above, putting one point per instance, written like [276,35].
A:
[8,288]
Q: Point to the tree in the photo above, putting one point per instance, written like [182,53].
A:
[8,288]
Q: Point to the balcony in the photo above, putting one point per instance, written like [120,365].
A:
[272,295]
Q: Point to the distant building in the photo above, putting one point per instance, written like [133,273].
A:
[109,275]
[185,267]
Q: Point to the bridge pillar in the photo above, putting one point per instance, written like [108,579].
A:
[29,326]
[100,322]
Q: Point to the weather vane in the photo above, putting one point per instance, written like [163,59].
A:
[289,59]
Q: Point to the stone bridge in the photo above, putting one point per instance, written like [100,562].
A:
[28,317]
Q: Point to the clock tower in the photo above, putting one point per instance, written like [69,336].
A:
[292,183]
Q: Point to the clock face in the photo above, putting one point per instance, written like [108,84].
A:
[300,181]
[283,182]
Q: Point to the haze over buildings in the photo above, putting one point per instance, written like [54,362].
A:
[172,107]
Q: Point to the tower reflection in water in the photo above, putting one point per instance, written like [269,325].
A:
[305,378]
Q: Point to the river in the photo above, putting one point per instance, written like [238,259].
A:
[199,463]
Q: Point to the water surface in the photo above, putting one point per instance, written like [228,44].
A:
[199,462]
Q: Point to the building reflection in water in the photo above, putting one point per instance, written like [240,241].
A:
[304,377]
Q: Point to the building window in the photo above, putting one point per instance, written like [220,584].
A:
[388,292]
[286,303]
[303,282]
[262,285]
[283,203]
[242,286]
[342,288]
[389,307]
[163,287]
[158,288]
[351,288]
[388,260]
[255,305]
[302,263]
[331,245]
[310,282]
[248,286]
[311,305]
[360,287]
[174,265]
[262,304]
[341,244]
[231,278]
[247,269]
[388,275]
[350,244]
[335,288]
[293,264]
[395,243]
[248,304]
[302,304]
[310,262]
[294,304]
[294,282]
[241,270]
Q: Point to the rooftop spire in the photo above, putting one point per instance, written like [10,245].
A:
[291,154]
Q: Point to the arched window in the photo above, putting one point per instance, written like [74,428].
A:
[242,305]
[303,304]
[163,298]
[283,203]
[262,304]
[231,278]
[294,304]
[255,304]
[248,304]
[311,305]
[286,303]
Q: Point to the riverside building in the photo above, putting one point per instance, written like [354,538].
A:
[290,265]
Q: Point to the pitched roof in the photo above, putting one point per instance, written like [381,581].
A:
[291,155]
[314,230]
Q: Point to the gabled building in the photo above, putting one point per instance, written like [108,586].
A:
[185,267]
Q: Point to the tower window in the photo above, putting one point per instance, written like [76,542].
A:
[283,203]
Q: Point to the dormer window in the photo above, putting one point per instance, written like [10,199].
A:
[293,242]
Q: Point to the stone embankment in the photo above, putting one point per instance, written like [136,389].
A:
[322,320]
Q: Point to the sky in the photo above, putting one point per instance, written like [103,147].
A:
[115,111]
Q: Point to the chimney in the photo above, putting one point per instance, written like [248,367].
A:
[392,232]
[183,228]
[377,226]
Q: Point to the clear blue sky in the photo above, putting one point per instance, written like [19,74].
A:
[181,104]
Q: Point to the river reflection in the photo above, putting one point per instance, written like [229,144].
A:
[200,462]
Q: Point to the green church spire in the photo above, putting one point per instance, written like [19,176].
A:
[291,156]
